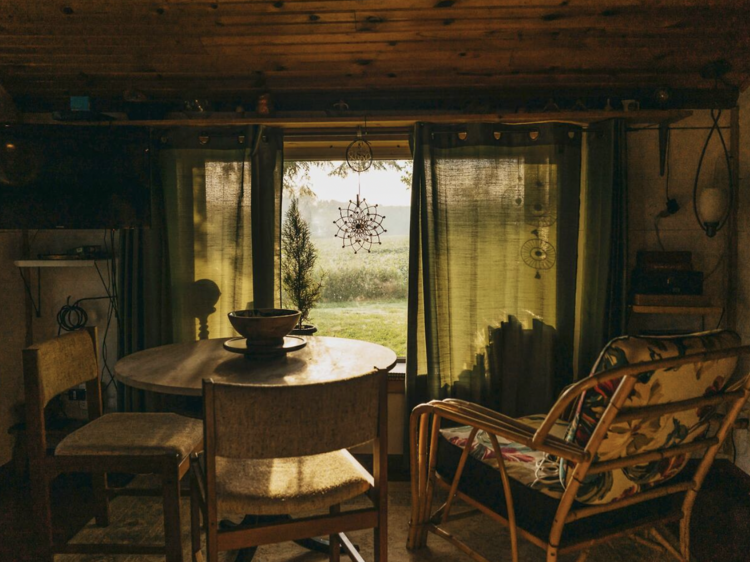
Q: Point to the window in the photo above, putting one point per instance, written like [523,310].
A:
[364,295]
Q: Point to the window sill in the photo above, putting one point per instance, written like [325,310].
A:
[396,378]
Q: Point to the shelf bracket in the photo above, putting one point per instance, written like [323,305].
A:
[37,306]
[663,142]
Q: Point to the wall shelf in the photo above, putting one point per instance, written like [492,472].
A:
[39,265]
[684,310]
[57,263]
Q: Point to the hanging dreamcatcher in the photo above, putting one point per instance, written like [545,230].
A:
[359,224]
[538,254]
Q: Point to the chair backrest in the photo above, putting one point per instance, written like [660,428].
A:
[262,422]
[665,410]
[56,365]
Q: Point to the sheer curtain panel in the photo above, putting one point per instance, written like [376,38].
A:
[223,198]
[493,248]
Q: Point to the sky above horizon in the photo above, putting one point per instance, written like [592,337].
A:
[383,187]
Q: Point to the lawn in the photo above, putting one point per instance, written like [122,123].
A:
[364,295]
[375,321]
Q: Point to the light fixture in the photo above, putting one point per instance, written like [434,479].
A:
[713,202]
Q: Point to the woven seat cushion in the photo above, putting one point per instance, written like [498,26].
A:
[535,511]
[134,434]
[527,466]
[288,485]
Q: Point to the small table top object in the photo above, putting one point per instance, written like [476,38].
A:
[180,368]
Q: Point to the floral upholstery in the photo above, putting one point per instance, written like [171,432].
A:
[550,475]
[522,463]
[656,387]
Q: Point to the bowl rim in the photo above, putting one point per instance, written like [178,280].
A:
[289,313]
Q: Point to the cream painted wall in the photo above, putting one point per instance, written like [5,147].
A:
[679,232]
[743,222]
[742,438]
[57,284]
[12,332]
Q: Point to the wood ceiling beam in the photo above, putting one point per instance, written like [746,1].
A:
[176,48]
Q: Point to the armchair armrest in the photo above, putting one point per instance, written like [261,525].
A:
[498,424]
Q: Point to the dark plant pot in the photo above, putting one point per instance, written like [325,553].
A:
[305,330]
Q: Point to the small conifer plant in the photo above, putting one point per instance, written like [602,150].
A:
[299,256]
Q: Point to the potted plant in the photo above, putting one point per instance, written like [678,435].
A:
[299,256]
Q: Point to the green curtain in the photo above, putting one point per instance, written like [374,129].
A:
[213,245]
[268,185]
[603,245]
[223,198]
[143,299]
[493,246]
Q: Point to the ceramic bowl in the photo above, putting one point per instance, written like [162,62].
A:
[264,326]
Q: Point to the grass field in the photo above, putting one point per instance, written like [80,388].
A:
[364,295]
[375,321]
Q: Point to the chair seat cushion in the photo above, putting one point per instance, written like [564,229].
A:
[525,465]
[535,511]
[288,485]
[134,434]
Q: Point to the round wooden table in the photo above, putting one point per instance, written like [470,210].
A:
[180,368]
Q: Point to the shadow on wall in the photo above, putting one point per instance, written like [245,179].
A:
[517,375]
[204,294]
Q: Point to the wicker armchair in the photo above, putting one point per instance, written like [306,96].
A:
[621,465]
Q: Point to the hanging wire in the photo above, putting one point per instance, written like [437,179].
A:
[715,116]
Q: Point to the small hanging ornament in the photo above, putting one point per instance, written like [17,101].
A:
[359,225]
[359,154]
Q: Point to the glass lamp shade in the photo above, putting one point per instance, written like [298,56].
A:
[712,207]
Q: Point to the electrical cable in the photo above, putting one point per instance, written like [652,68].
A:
[715,116]
[718,324]
[110,287]
[671,206]
[72,317]
[658,233]
[668,147]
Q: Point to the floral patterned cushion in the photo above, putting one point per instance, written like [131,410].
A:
[527,466]
[656,387]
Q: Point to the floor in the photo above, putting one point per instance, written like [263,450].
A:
[722,527]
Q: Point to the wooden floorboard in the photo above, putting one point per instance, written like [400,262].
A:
[721,521]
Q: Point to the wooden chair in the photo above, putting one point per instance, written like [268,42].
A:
[620,466]
[119,442]
[274,451]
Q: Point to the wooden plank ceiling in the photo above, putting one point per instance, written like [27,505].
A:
[235,49]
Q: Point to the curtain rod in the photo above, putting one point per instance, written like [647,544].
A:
[635,129]
[348,132]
